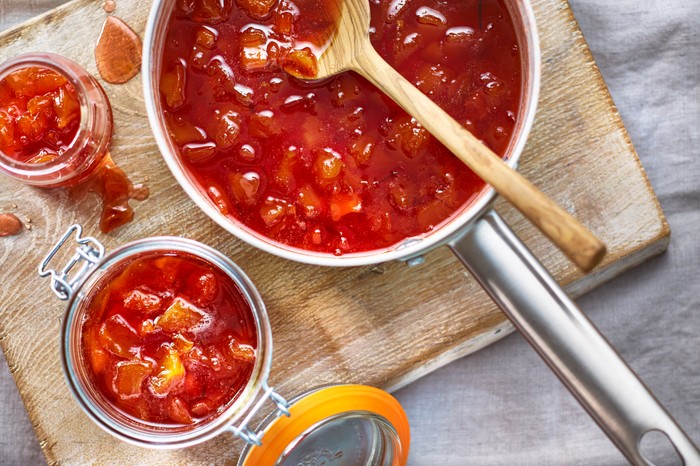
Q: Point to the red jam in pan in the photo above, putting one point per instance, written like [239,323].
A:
[39,115]
[335,166]
[169,339]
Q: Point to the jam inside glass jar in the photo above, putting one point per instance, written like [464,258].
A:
[169,339]
[55,120]
[166,342]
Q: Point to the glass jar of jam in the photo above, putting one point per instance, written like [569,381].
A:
[55,120]
[166,343]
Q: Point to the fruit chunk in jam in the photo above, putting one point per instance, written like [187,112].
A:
[39,115]
[335,166]
[170,339]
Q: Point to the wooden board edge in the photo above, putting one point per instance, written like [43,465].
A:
[616,118]
[575,289]
[14,32]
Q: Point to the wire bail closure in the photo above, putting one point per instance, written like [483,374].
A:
[255,438]
[87,254]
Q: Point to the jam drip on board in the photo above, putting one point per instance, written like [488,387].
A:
[118,51]
[10,224]
[115,190]
[169,339]
[335,166]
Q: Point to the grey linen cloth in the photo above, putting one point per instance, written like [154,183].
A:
[502,406]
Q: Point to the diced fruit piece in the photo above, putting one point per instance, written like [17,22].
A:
[228,127]
[98,357]
[400,196]
[40,103]
[203,287]
[362,150]
[185,7]
[343,204]
[178,411]
[301,63]
[182,344]
[172,85]
[284,176]
[263,125]
[409,135]
[241,353]
[256,9]
[273,210]
[198,152]
[328,164]
[119,338]
[211,11]
[254,58]
[206,36]
[222,80]
[203,407]
[147,326]
[181,316]
[284,22]
[309,201]
[252,37]
[219,198]
[167,270]
[247,153]
[31,81]
[142,302]
[67,107]
[129,377]
[183,132]
[430,16]
[459,34]
[32,126]
[246,187]
[7,132]
[170,375]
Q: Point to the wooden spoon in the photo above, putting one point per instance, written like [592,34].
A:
[350,49]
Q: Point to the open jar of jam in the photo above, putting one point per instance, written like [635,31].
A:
[55,120]
[166,343]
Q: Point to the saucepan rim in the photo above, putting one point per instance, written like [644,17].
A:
[522,14]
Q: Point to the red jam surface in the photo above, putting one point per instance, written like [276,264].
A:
[39,115]
[335,166]
[170,339]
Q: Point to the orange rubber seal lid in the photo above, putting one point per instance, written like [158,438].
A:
[312,412]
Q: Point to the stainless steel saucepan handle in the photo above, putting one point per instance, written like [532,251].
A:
[567,341]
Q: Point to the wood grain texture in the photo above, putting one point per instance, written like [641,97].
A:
[385,325]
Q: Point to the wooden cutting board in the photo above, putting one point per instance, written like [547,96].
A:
[386,325]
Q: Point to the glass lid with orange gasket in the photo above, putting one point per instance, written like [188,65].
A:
[345,425]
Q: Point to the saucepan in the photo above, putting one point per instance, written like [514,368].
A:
[551,322]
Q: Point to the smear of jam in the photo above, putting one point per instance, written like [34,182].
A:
[118,51]
[10,225]
[116,190]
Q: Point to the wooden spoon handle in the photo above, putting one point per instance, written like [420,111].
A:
[579,244]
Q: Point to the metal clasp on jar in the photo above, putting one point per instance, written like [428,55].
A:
[255,438]
[88,253]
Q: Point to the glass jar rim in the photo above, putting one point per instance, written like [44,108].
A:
[159,436]
[71,71]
